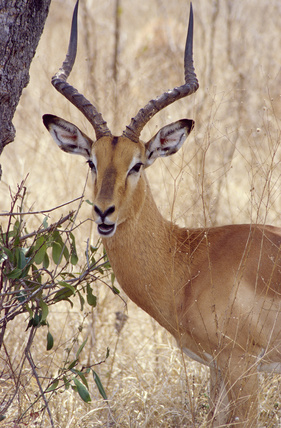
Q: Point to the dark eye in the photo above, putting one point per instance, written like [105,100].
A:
[91,165]
[136,168]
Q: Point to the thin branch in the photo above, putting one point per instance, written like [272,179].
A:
[48,229]
[32,365]
[13,313]
[43,211]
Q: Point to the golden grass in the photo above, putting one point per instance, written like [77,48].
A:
[227,172]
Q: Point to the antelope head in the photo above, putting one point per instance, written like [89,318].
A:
[117,163]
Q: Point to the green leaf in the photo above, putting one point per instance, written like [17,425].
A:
[57,241]
[82,391]
[107,353]
[40,249]
[66,285]
[40,254]
[45,222]
[81,348]
[99,385]
[91,299]
[66,382]
[21,295]
[63,294]
[53,386]
[65,252]
[56,237]
[21,259]
[71,365]
[74,257]
[15,273]
[112,278]
[50,341]
[115,290]
[89,202]
[16,229]
[46,260]
[82,377]
[8,253]
[36,276]
[29,310]
[56,252]
[45,310]
[36,320]
[106,265]
[82,300]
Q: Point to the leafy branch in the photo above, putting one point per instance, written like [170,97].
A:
[39,269]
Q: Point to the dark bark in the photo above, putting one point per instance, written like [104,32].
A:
[21,25]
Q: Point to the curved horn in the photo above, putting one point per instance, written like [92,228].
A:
[154,106]
[69,92]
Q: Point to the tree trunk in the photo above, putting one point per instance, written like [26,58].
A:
[21,25]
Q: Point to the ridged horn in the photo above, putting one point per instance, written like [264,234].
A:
[59,81]
[191,85]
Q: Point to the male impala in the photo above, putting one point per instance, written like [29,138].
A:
[216,290]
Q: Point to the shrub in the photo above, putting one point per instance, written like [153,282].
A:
[39,269]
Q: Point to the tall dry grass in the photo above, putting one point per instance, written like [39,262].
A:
[227,172]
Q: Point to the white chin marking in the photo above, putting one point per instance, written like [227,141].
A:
[106,230]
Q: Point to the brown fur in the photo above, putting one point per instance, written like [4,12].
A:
[216,290]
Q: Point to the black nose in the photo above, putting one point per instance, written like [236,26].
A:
[105,213]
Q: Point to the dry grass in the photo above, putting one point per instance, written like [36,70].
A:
[228,172]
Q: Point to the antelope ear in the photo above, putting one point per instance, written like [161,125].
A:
[168,140]
[68,137]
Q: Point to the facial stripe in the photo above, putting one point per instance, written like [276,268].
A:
[114,141]
[108,183]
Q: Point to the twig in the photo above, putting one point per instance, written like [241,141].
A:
[13,313]
[48,229]
[32,365]
[42,211]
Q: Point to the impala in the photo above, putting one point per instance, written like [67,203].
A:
[216,290]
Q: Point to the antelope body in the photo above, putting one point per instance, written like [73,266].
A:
[216,290]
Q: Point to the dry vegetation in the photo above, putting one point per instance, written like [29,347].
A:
[228,172]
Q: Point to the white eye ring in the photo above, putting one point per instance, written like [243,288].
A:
[136,168]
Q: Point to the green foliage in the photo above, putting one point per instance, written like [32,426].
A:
[40,269]
[99,385]
[82,390]
[71,376]
[50,341]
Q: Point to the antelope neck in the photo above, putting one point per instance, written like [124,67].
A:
[143,255]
